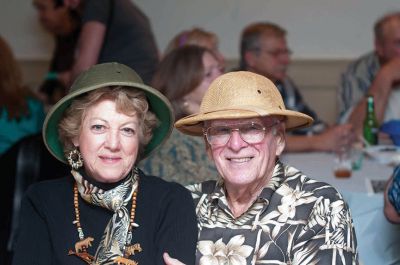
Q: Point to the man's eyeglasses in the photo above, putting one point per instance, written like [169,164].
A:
[251,133]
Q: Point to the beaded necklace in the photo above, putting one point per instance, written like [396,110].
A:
[84,243]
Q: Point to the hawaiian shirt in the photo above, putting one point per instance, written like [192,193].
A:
[394,190]
[182,158]
[295,220]
[294,101]
[355,83]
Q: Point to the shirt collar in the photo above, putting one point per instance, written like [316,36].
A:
[219,194]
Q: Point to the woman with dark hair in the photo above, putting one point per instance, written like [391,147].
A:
[183,77]
[21,114]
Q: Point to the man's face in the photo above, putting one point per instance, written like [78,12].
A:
[389,47]
[51,17]
[245,164]
[272,59]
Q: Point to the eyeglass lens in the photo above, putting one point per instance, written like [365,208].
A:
[250,133]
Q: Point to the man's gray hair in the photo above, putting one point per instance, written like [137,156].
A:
[251,35]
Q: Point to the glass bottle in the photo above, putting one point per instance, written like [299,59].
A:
[371,127]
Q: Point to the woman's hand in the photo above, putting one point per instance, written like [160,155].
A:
[170,261]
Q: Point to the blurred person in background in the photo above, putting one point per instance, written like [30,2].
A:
[376,73]
[183,76]
[264,51]
[64,24]
[114,31]
[200,37]
[21,114]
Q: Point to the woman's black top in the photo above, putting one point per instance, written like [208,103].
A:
[165,214]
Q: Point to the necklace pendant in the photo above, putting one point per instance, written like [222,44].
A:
[81,250]
[124,261]
[86,257]
[131,249]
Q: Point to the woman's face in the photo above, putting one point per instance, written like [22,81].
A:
[212,70]
[108,142]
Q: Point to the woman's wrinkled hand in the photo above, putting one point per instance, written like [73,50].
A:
[170,261]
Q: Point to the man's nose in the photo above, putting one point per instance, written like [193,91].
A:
[236,141]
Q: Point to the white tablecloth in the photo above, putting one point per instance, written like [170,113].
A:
[319,166]
[378,240]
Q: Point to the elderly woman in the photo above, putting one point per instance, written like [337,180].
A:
[261,211]
[108,211]
[184,76]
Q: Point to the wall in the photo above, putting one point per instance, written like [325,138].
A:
[317,28]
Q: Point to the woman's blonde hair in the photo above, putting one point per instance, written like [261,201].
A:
[194,36]
[128,100]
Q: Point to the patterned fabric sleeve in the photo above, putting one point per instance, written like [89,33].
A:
[329,237]
[182,159]
[355,82]
[394,190]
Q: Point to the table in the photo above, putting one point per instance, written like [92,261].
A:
[378,240]
[319,166]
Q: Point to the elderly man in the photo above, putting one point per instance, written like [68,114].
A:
[264,51]
[261,211]
[376,73]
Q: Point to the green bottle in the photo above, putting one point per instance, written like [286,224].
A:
[371,127]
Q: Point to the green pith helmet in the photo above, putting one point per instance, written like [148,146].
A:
[104,75]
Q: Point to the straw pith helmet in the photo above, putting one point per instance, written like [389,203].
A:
[239,95]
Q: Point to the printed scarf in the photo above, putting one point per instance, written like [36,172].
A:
[115,235]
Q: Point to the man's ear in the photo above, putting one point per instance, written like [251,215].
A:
[279,133]
[208,149]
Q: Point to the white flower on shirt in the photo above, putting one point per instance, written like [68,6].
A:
[233,253]
[290,199]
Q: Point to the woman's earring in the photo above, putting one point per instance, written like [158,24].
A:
[75,159]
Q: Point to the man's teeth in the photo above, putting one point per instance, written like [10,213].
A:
[240,160]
